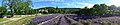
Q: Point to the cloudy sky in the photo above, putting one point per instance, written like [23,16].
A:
[71,3]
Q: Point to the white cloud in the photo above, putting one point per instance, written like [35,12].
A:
[67,3]
[39,7]
[90,5]
[85,4]
[114,2]
[79,4]
[48,0]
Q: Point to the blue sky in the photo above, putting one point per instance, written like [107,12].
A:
[71,3]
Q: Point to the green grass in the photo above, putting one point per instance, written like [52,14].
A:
[22,21]
[19,22]
[2,19]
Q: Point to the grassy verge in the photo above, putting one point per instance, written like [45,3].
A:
[19,22]
[2,19]
[23,20]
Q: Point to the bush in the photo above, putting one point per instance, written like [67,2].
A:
[1,16]
[104,23]
[87,23]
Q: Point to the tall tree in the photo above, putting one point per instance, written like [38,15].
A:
[24,6]
[13,4]
[2,11]
[101,9]
[10,4]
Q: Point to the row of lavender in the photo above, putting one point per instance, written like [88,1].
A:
[53,21]
[84,17]
[71,21]
[41,19]
[61,20]
[92,20]
[67,20]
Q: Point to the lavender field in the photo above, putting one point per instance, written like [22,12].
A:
[59,12]
[73,19]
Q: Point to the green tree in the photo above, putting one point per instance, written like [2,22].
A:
[84,11]
[24,6]
[101,9]
[97,9]
[14,5]
[2,11]
[11,4]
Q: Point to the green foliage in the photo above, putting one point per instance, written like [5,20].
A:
[2,11]
[23,7]
[87,23]
[51,10]
[104,23]
[97,9]
[17,6]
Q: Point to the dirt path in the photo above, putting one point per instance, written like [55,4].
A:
[12,19]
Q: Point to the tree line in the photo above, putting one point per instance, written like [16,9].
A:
[99,10]
[96,10]
[16,7]
[23,7]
